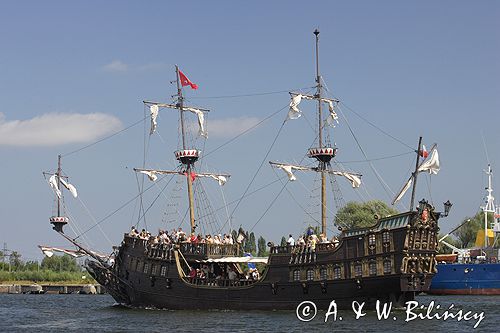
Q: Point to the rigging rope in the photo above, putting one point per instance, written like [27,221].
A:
[105,138]
[116,210]
[249,95]
[382,182]
[245,132]
[257,172]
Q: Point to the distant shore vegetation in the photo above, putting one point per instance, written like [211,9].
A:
[56,269]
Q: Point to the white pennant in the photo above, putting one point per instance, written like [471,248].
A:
[151,175]
[201,121]
[431,164]
[55,187]
[333,117]
[353,178]
[153,109]
[294,112]
[70,188]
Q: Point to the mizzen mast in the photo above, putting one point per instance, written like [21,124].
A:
[489,206]
[58,221]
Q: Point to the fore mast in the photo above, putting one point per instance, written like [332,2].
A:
[187,156]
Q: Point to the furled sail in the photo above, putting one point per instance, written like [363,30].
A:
[55,187]
[288,168]
[53,183]
[403,190]
[151,174]
[201,120]
[430,165]
[355,179]
[333,118]
[220,178]
[294,112]
[70,188]
[153,109]
[49,251]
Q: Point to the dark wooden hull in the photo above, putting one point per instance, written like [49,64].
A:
[145,278]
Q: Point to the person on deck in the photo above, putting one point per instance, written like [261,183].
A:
[133,232]
[290,241]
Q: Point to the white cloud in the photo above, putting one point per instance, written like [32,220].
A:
[116,66]
[230,127]
[53,129]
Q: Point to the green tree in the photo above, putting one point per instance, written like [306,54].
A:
[15,260]
[262,247]
[466,234]
[252,247]
[283,241]
[31,265]
[444,249]
[64,263]
[362,214]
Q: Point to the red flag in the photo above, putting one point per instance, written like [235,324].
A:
[186,82]
[423,152]
[193,175]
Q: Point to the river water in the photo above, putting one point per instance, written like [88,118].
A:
[97,313]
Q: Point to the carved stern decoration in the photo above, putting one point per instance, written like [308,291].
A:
[419,261]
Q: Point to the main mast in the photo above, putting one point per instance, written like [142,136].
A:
[188,161]
[322,164]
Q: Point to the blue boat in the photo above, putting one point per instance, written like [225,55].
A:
[472,271]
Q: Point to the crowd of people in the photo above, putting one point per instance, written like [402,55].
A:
[310,239]
[179,236]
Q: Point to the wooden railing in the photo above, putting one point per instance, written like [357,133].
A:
[209,250]
[219,282]
[302,248]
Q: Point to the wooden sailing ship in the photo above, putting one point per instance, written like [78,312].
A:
[392,260]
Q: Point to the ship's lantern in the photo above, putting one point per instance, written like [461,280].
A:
[422,204]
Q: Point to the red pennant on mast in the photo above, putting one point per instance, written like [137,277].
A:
[186,82]
[423,152]
[193,175]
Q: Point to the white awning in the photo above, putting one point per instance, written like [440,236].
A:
[262,260]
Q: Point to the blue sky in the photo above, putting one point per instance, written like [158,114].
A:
[411,68]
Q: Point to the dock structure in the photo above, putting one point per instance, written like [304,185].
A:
[89,289]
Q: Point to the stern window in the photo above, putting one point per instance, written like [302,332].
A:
[386,237]
[371,240]
[373,268]
[323,273]
[337,272]
[358,270]
[310,275]
[387,266]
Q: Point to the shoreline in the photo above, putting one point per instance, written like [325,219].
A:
[51,288]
